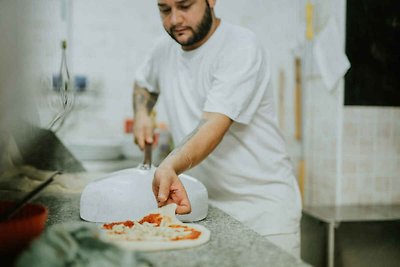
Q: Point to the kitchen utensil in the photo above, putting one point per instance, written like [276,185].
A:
[147,156]
[127,195]
[63,86]
[12,210]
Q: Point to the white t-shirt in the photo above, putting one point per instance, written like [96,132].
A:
[249,175]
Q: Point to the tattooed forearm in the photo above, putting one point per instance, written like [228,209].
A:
[138,100]
[151,102]
[143,99]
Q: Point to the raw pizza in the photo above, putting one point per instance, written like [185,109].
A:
[159,230]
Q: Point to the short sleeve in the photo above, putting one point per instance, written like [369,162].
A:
[147,73]
[239,81]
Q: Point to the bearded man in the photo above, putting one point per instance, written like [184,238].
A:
[214,81]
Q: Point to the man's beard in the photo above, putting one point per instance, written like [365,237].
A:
[200,32]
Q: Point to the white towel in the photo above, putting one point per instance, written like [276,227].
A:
[77,245]
[330,56]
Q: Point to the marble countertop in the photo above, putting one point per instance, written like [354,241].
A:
[231,243]
[354,213]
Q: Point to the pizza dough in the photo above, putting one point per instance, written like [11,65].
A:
[144,236]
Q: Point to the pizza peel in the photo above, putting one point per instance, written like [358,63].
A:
[127,194]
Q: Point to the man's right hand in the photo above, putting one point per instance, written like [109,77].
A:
[167,188]
[143,129]
[143,103]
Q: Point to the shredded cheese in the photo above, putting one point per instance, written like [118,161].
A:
[145,231]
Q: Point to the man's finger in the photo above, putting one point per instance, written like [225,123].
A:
[163,192]
[183,206]
[181,199]
[155,192]
[183,209]
[140,142]
[148,134]
[139,139]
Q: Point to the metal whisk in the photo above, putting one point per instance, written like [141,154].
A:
[67,96]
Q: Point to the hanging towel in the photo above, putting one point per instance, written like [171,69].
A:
[330,57]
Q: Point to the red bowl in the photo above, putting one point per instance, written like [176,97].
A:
[17,233]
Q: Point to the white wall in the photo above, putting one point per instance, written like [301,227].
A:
[371,156]
[110,39]
[27,29]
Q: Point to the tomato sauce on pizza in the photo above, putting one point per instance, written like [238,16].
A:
[157,230]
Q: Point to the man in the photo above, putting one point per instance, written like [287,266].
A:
[214,81]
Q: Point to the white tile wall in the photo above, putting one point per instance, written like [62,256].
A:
[371,152]
[369,155]
[320,138]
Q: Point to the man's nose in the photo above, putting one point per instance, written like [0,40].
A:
[176,17]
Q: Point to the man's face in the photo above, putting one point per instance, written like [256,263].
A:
[186,21]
